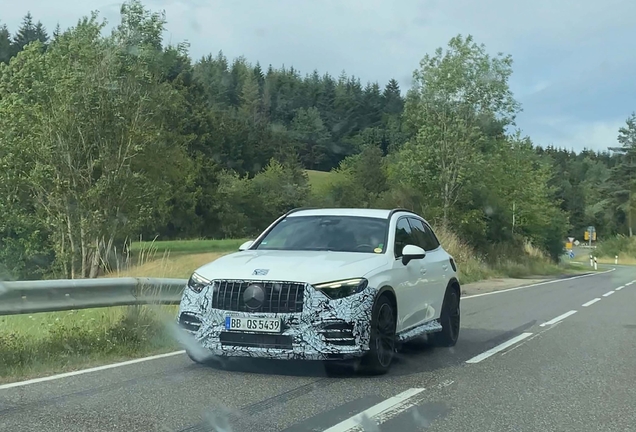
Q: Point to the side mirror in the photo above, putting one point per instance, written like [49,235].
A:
[246,245]
[412,252]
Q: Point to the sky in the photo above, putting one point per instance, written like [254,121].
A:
[574,61]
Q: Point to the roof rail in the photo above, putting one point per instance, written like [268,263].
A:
[299,209]
[397,210]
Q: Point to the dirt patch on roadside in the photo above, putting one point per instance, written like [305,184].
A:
[499,284]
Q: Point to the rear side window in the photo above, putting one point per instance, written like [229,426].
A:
[425,237]
[403,236]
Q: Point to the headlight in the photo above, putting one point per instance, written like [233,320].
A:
[196,283]
[342,288]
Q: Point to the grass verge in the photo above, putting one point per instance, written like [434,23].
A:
[509,262]
[52,342]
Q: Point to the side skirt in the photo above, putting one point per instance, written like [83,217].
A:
[432,326]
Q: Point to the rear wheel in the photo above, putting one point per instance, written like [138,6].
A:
[382,343]
[449,319]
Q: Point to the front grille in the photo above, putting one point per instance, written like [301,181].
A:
[280,297]
[255,340]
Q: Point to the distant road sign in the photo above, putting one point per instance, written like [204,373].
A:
[571,239]
[568,246]
[576,242]
[571,254]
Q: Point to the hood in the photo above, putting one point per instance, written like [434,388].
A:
[294,266]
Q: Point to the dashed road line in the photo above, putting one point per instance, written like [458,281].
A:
[620,288]
[609,293]
[396,404]
[557,319]
[498,348]
[591,302]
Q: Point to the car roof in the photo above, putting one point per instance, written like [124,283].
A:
[360,212]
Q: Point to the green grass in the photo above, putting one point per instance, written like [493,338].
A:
[318,180]
[187,246]
[51,342]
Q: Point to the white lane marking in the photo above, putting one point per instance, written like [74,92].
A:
[85,371]
[400,402]
[629,283]
[591,302]
[498,348]
[525,341]
[389,414]
[536,284]
[609,293]
[620,288]
[557,319]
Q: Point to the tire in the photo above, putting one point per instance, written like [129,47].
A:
[382,343]
[449,319]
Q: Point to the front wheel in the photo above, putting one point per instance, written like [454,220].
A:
[449,319]
[382,342]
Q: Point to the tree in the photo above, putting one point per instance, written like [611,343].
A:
[5,44]
[393,101]
[313,138]
[624,173]
[27,33]
[96,154]
[452,94]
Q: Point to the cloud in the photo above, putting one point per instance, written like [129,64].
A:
[571,58]
[570,133]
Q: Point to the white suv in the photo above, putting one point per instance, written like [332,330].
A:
[327,284]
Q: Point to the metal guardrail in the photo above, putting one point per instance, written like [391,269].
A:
[22,297]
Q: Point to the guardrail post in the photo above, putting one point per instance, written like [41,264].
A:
[595,264]
[616,259]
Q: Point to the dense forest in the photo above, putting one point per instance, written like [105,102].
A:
[108,137]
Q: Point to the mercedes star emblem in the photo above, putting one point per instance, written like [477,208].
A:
[254,296]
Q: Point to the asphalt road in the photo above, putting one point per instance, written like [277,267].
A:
[528,359]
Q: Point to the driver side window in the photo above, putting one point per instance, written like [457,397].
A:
[403,236]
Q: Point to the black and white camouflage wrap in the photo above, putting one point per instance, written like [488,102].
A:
[308,343]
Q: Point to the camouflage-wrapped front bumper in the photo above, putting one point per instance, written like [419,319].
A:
[325,329]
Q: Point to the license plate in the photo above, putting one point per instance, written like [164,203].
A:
[264,325]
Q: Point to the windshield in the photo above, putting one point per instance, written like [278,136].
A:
[333,233]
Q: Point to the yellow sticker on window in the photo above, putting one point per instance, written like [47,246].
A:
[377,250]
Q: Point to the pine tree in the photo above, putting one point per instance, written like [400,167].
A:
[5,44]
[393,101]
[57,32]
[40,33]
[25,34]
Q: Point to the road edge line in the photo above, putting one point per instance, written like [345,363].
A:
[535,284]
[89,370]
